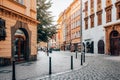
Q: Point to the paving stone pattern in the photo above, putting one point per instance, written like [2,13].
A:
[96,67]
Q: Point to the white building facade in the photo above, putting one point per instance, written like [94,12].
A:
[97,16]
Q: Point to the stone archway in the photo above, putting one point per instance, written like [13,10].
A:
[115,43]
[101,49]
[27,41]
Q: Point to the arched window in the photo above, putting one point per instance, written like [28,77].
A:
[101,47]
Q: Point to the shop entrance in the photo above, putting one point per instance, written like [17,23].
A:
[20,45]
[101,47]
[115,43]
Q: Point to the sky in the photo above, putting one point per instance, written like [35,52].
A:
[58,6]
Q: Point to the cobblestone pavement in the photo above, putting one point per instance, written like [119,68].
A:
[99,67]
[96,67]
[40,68]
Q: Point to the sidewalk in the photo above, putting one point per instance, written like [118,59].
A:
[40,68]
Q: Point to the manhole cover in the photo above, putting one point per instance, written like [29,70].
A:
[5,71]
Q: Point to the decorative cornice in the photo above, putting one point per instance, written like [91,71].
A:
[92,15]
[108,7]
[114,24]
[86,18]
[17,15]
[32,10]
[99,12]
[117,3]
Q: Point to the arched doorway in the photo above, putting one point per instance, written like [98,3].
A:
[21,43]
[92,47]
[83,47]
[88,47]
[115,43]
[101,47]
[24,34]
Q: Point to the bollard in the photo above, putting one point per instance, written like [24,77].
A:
[47,52]
[71,62]
[81,59]
[84,58]
[13,70]
[76,54]
[50,67]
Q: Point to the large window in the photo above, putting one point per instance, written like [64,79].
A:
[92,3]
[118,11]
[99,15]
[99,19]
[86,6]
[98,1]
[86,23]
[92,20]
[2,29]
[108,15]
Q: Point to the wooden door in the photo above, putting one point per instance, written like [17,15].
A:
[101,47]
[115,43]
[20,47]
[115,46]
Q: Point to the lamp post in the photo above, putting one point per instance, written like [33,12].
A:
[47,48]
[13,62]
[81,23]
[82,54]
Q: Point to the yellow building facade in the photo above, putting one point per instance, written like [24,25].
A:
[18,31]
[70,21]
[75,25]
[68,27]
[59,35]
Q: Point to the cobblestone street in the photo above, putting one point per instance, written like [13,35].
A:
[60,63]
[96,67]
[99,67]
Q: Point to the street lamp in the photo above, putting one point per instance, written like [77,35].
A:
[81,24]
[82,54]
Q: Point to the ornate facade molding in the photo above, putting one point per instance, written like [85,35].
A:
[92,15]
[117,3]
[4,11]
[99,12]
[108,7]
[86,18]
[112,25]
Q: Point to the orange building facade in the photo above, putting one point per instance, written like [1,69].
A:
[70,22]
[60,32]
[75,26]
[18,31]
